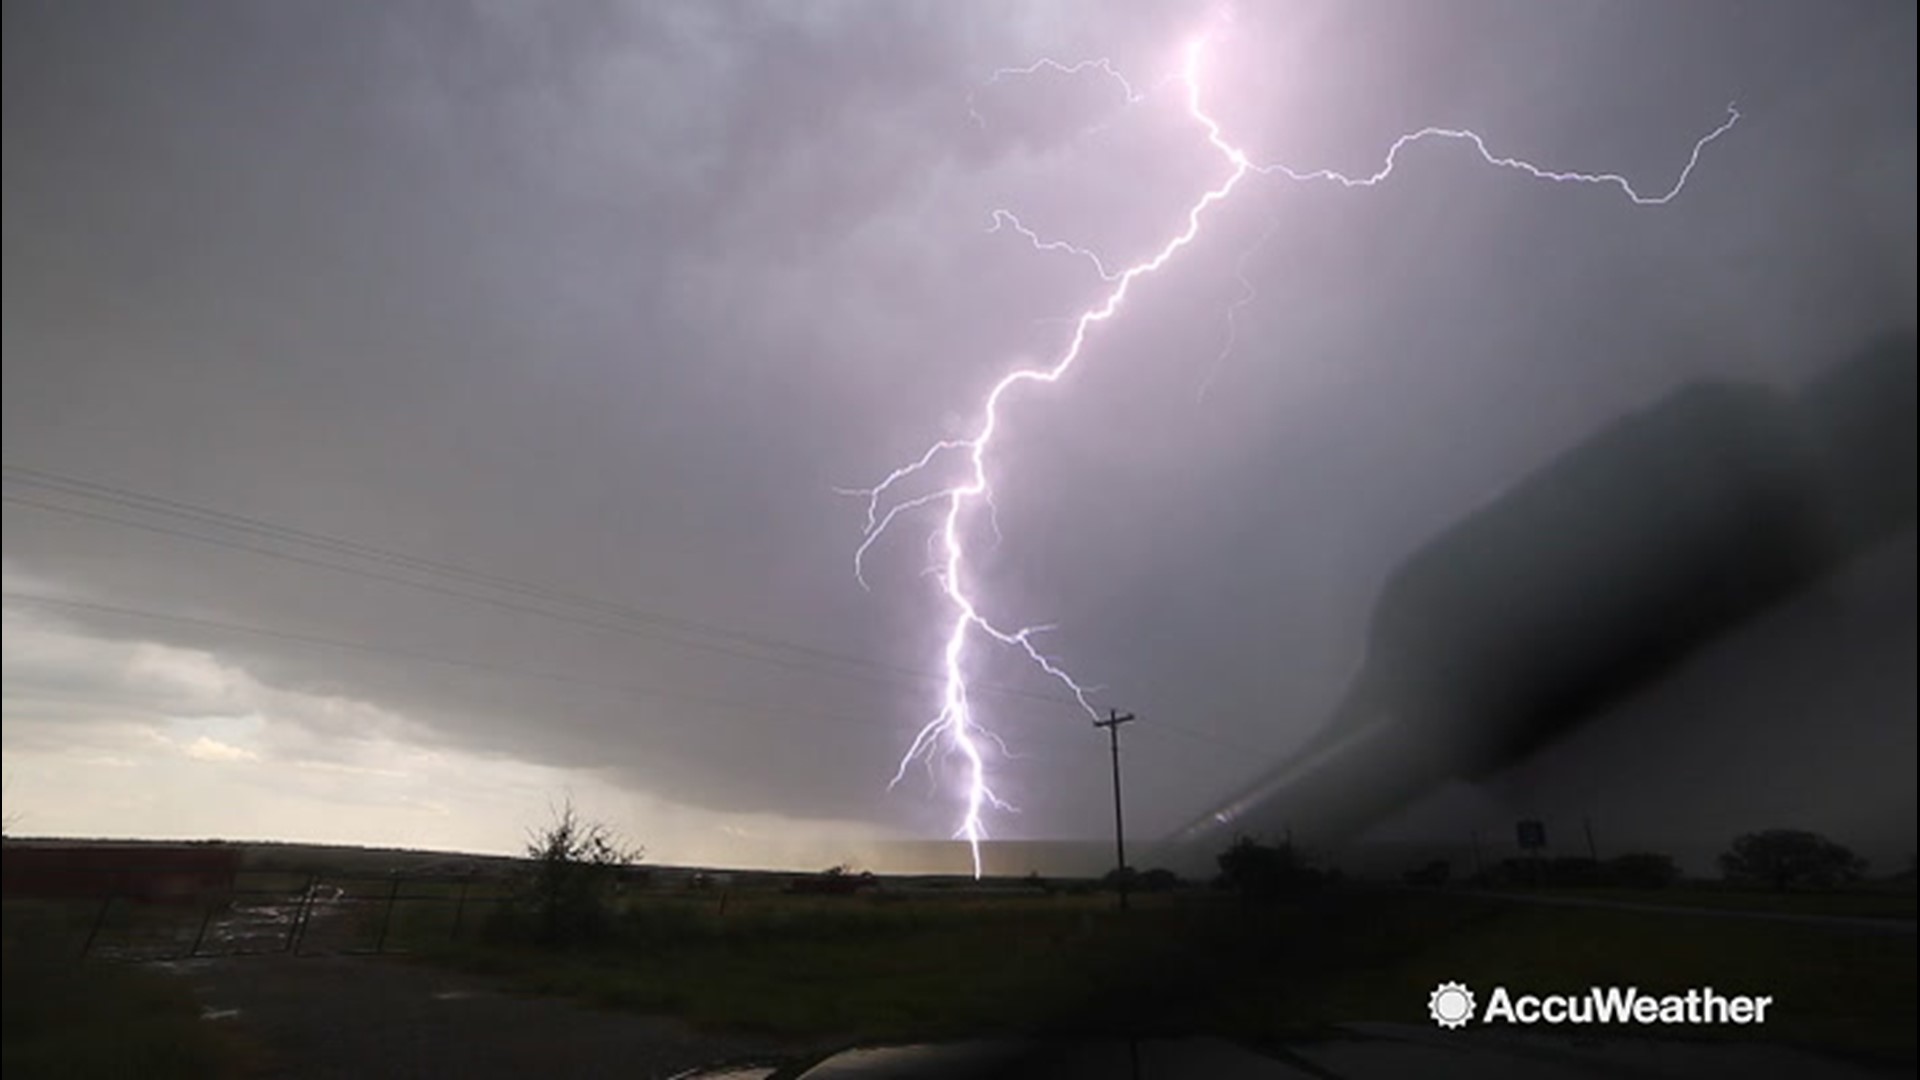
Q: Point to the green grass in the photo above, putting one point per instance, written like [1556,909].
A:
[859,968]
[837,967]
[66,1018]
[902,966]
[1834,990]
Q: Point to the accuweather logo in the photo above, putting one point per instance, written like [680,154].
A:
[1450,1005]
[1453,1005]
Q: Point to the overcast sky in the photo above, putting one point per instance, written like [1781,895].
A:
[600,303]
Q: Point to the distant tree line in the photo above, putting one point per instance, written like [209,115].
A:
[568,889]
[1156,880]
[1635,870]
[1773,858]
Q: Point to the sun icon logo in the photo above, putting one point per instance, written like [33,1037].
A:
[1450,1005]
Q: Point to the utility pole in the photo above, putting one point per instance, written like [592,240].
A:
[1112,724]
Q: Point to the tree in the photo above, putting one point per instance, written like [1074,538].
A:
[576,864]
[1264,871]
[1157,880]
[1786,858]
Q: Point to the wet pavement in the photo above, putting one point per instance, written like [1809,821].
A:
[1368,1052]
[343,1016]
[247,926]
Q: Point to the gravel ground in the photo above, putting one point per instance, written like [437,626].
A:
[340,1016]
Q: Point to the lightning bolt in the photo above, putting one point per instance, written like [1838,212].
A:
[1247,296]
[954,728]
[1103,66]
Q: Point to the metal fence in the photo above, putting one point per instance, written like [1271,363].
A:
[258,912]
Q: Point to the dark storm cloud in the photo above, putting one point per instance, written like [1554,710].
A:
[609,298]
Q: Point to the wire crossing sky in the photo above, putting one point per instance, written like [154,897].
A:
[955,728]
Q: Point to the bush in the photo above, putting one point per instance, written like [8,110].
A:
[566,895]
[1266,871]
[1157,880]
[1790,858]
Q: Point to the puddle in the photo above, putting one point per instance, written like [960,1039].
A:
[183,967]
[260,924]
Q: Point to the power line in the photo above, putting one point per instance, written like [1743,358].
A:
[177,508]
[654,625]
[505,604]
[625,689]
[785,711]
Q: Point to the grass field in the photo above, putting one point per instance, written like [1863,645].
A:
[870,968]
[906,963]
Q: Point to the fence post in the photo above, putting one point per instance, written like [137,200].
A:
[206,916]
[386,920]
[98,921]
[297,928]
[460,907]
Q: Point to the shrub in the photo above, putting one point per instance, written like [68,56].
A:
[1790,858]
[1266,871]
[566,895]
